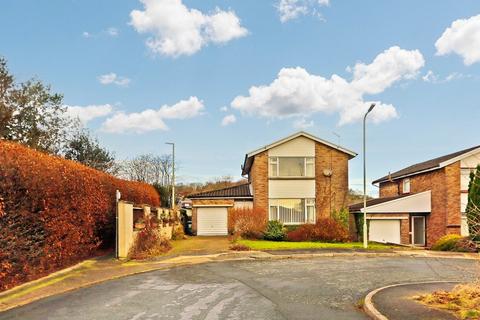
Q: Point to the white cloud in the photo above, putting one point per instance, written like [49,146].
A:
[178,30]
[462,38]
[432,77]
[150,119]
[88,113]
[297,93]
[292,9]
[113,32]
[224,109]
[302,124]
[113,78]
[229,119]
[86,34]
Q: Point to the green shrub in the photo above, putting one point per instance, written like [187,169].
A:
[447,243]
[275,231]
[341,216]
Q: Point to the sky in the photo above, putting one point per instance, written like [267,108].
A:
[222,78]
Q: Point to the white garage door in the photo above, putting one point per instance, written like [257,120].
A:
[384,231]
[212,221]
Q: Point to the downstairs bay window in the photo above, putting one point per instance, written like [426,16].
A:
[292,211]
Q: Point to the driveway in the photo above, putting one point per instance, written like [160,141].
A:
[320,288]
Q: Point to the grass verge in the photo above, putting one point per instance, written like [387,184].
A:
[288,245]
[463,300]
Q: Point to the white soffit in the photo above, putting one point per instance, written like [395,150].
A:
[418,202]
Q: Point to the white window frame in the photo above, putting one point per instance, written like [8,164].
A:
[406,185]
[307,202]
[276,161]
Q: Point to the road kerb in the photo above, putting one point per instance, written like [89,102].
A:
[374,313]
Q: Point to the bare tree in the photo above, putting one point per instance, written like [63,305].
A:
[149,168]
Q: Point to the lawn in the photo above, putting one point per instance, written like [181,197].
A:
[286,245]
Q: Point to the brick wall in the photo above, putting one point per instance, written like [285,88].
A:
[330,191]
[197,202]
[259,180]
[389,189]
[444,183]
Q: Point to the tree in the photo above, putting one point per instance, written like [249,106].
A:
[85,149]
[31,114]
[149,168]
[473,206]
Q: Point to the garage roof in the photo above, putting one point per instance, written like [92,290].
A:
[240,191]
[405,203]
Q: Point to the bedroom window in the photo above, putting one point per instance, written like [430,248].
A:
[291,167]
[406,185]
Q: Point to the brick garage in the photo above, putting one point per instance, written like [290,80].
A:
[210,209]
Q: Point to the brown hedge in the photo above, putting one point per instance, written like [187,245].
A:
[55,212]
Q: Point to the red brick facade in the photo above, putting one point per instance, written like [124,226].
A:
[444,183]
[258,177]
[330,192]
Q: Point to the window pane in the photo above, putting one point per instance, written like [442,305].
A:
[273,213]
[310,214]
[291,167]
[273,170]
[310,170]
[291,211]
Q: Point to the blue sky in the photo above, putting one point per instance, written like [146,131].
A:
[97,55]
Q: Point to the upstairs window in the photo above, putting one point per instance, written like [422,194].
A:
[406,185]
[291,167]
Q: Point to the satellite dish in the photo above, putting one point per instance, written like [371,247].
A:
[327,172]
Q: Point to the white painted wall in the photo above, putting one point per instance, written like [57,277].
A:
[471,161]
[291,189]
[463,202]
[298,147]
[464,229]
[465,179]
[420,202]
[243,204]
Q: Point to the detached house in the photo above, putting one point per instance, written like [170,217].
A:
[295,180]
[423,202]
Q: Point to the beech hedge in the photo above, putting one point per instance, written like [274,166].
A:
[55,212]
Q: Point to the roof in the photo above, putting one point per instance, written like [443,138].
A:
[420,202]
[357,207]
[429,165]
[240,191]
[249,156]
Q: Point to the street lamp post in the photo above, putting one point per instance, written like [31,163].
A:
[365,240]
[173,173]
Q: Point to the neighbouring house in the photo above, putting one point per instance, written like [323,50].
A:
[423,202]
[294,180]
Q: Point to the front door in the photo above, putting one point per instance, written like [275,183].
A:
[418,231]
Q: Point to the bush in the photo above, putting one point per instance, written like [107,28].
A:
[455,243]
[341,216]
[178,233]
[239,247]
[248,223]
[275,231]
[148,243]
[55,212]
[326,229]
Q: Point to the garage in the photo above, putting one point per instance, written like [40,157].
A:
[212,221]
[384,231]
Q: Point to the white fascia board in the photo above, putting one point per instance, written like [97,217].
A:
[459,158]
[418,202]
[296,135]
